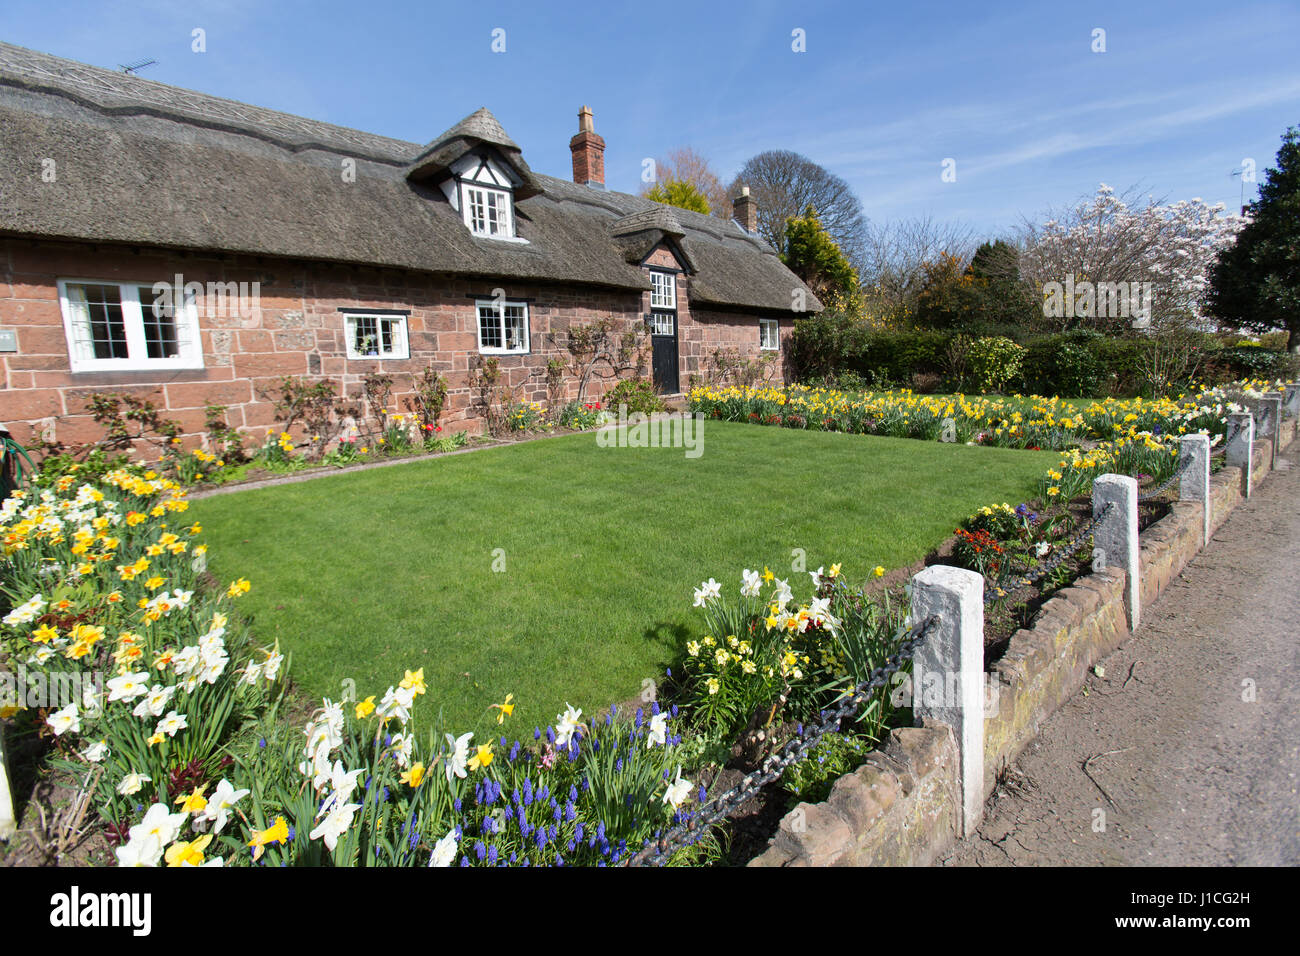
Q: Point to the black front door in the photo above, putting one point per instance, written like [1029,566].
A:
[663,336]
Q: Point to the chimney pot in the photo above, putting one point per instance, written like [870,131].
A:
[588,150]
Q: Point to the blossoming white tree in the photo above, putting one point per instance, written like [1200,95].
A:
[1114,239]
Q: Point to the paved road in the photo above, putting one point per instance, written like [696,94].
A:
[1195,774]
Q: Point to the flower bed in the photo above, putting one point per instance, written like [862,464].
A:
[174,731]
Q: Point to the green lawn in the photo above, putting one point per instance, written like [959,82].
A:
[366,574]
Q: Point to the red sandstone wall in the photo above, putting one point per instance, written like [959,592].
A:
[296,329]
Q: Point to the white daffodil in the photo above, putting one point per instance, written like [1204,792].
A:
[251,673]
[145,851]
[172,723]
[444,851]
[271,666]
[817,576]
[91,702]
[155,702]
[751,583]
[342,783]
[783,593]
[401,750]
[677,791]
[566,725]
[396,704]
[40,655]
[335,824]
[96,752]
[658,730]
[27,612]
[132,783]
[186,660]
[707,592]
[129,686]
[64,720]
[222,801]
[160,824]
[458,757]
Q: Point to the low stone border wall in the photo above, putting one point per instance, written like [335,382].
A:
[902,807]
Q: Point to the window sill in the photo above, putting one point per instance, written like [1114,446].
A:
[518,240]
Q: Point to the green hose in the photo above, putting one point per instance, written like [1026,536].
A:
[16,466]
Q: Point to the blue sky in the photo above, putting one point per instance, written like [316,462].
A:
[883,94]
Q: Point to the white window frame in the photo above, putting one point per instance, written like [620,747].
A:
[769,328]
[663,323]
[81,356]
[663,290]
[497,308]
[400,346]
[505,210]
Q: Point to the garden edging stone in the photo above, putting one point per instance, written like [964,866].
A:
[902,806]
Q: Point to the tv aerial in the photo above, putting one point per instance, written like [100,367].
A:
[138,65]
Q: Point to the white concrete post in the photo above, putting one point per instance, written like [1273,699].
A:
[1195,483]
[1241,449]
[1115,539]
[8,823]
[1291,400]
[1274,405]
[948,671]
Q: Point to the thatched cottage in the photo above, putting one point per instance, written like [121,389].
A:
[299,248]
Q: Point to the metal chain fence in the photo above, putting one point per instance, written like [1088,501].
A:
[1063,553]
[689,832]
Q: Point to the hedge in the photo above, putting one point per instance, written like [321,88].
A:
[835,349]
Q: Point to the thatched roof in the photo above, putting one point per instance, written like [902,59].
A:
[144,163]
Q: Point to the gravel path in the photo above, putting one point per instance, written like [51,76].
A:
[1186,771]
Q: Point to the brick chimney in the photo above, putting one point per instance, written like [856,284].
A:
[588,152]
[745,211]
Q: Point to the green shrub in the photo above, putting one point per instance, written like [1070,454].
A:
[638,394]
[1062,365]
[993,362]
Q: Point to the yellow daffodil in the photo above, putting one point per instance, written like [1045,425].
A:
[193,802]
[278,832]
[181,854]
[482,757]
[506,708]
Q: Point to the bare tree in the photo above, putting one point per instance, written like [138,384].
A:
[784,184]
[892,260]
[687,165]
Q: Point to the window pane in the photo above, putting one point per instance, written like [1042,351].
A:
[515,331]
[160,337]
[365,335]
[489,327]
[103,312]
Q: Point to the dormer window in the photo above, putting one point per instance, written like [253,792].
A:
[482,190]
[487,212]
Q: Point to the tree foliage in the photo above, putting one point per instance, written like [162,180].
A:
[679,193]
[813,255]
[1255,283]
[685,165]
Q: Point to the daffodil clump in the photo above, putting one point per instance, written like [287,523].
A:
[364,785]
[137,672]
[1015,422]
[173,726]
[766,657]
